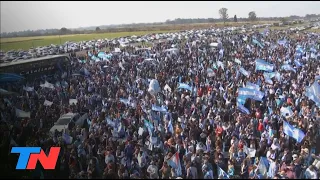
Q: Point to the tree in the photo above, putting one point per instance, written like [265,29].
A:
[98,29]
[284,21]
[252,16]
[224,14]
[235,19]
[63,30]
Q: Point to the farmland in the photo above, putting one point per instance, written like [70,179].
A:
[26,43]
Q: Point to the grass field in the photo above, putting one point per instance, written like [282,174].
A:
[26,43]
[313,30]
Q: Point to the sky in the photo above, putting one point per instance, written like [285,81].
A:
[33,15]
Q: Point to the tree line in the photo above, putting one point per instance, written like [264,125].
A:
[223,12]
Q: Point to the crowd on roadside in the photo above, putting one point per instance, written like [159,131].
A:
[213,105]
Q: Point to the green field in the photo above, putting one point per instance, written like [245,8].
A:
[313,30]
[25,43]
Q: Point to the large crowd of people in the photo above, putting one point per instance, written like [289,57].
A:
[177,110]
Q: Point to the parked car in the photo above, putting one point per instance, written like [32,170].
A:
[69,120]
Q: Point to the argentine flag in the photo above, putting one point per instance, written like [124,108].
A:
[253,86]
[149,126]
[170,127]
[293,132]
[159,108]
[222,174]
[244,72]
[288,67]
[254,41]
[313,92]
[262,65]
[251,93]
[286,111]
[269,75]
[263,166]
[185,86]
[243,109]
[174,162]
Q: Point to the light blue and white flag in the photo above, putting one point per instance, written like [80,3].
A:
[263,166]
[159,108]
[313,92]
[170,127]
[293,132]
[252,86]
[262,65]
[184,86]
[241,99]
[268,80]
[149,126]
[222,174]
[286,111]
[250,93]
[243,109]
[278,76]
[174,162]
[254,41]
[288,67]
[270,110]
[244,72]
[269,74]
